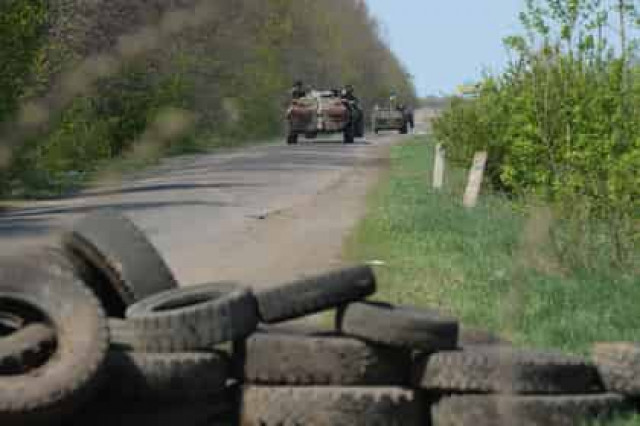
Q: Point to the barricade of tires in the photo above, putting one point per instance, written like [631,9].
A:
[97,332]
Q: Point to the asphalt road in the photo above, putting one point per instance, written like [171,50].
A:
[258,215]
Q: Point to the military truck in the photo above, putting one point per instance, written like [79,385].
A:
[390,118]
[323,112]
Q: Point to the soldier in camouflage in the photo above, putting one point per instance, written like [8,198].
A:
[298,91]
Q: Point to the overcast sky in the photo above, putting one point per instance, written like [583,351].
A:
[445,43]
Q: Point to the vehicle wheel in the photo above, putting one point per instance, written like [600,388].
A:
[354,406]
[166,377]
[404,130]
[277,357]
[501,410]
[360,128]
[116,259]
[292,139]
[314,294]
[44,288]
[506,370]
[193,318]
[349,134]
[399,326]
[26,349]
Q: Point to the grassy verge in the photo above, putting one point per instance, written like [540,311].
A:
[491,266]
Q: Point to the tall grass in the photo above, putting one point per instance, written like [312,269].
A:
[493,266]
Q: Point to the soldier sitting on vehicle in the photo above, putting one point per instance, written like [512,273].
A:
[349,98]
[298,91]
[348,94]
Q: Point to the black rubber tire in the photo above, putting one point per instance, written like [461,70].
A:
[292,139]
[314,294]
[127,265]
[619,366]
[349,134]
[26,349]
[123,335]
[404,129]
[193,318]
[353,406]
[501,410]
[46,282]
[200,413]
[113,304]
[297,358]
[506,370]
[359,133]
[179,377]
[399,326]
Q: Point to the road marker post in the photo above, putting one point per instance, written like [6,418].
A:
[438,168]
[476,174]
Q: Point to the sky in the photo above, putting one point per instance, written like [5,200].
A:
[445,43]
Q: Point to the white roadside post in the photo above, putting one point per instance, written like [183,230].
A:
[476,175]
[438,168]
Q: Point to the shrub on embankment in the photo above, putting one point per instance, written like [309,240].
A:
[227,63]
[562,123]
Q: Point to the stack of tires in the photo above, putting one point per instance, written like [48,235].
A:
[170,356]
[97,332]
[303,376]
[619,367]
[503,386]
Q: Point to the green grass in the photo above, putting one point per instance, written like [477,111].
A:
[491,266]
[625,420]
[488,266]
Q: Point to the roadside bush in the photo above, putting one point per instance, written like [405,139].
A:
[562,123]
[21,31]
[90,130]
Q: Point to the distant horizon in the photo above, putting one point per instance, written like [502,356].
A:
[447,45]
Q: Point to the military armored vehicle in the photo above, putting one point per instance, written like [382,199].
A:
[390,118]
[323,112]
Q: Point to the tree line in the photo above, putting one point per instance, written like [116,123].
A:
[109,71]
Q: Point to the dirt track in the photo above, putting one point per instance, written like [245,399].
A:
[258,215]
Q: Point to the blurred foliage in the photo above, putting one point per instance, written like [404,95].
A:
[21,31]
[232,71]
